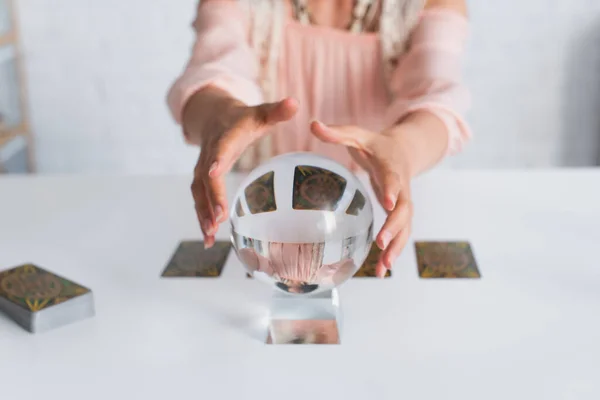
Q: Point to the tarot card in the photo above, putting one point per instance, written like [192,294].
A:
[260,194]
[286,331]
[357,204]
[191,259]
[446,260]
[367,270]
[40,300]
[316,189]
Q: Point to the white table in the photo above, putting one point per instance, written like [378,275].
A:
[530,329]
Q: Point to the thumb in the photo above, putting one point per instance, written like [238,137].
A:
[271,113]
[347,135]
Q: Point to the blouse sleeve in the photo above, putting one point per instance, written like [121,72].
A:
[221,57]
[428,76]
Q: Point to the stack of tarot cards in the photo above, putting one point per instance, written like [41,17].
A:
[39,300]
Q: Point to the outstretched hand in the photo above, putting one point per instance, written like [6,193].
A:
[224,138]
[383,157]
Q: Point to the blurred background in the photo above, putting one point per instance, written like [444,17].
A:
[83,85]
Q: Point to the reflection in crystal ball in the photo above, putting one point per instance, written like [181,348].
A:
[302,223]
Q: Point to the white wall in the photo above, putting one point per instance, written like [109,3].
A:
[534,69]
[98,72]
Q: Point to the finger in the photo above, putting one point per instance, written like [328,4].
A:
[226,152]
[205,226]
[202,195]
[390,183]
[201,204]
[380,270]
[271,113]
[216,192]
[209,221]
[217,163]
[396,221]
[349,136]
[209,241]
[392,188]
[395,248]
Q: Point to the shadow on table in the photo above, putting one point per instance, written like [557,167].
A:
[11,326]
[253,324]
[581,100]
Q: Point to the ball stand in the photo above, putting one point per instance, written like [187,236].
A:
[312,319]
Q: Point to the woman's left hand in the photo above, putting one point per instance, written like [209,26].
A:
[386,159]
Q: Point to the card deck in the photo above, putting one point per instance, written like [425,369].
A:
[39,300]
[191,259]
[316,188]
[367,270]
[446,260]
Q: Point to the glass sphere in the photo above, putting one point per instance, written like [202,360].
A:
[301,223]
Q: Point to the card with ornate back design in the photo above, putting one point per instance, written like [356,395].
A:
[317,188]
[446,260]
[40,300]
[367,269]
[33,288]
[260,194]
[191,259]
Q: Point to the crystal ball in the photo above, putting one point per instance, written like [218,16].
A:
[301,223]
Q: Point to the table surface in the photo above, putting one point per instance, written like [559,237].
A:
[529,329]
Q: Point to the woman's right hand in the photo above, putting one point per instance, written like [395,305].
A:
[223,128]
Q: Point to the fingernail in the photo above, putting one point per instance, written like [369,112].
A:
[212,168]
[392,202]
[207,226]
[386,237]
[388,262]
[208,244]
[219,213]
[381,271]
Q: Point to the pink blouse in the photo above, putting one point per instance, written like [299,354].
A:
[336,76]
